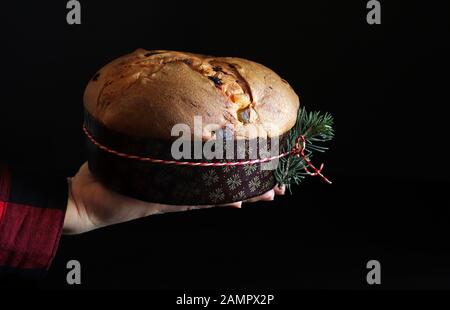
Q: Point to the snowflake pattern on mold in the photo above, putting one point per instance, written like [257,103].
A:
[217,195]
[234,181]
[226,169]
[239,196]
[254,184]
[250,169]
[267,173]
[268,183]
[210,177]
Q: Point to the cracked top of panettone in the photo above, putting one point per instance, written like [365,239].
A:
[146,93]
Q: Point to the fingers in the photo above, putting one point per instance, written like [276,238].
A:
[237,204]
[267,196]
[279,189]
[270,195]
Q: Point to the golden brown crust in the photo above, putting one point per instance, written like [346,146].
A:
[146,93]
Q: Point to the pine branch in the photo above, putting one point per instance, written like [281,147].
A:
[316,128]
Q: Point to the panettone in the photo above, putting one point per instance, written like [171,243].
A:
[132,104]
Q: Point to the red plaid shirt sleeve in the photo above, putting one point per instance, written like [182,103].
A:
[32,210]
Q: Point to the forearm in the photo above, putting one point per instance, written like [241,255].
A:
[32,214]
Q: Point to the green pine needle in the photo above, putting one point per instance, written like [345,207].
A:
[317,128]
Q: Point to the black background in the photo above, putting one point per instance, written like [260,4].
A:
[386,86]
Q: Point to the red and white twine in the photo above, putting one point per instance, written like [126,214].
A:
[298,150]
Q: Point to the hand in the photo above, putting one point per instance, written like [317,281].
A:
[91,205]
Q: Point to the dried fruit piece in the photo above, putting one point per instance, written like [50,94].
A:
[244,115]
[242,99]
[217,81]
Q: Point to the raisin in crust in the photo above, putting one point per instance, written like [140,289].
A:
[146,93]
